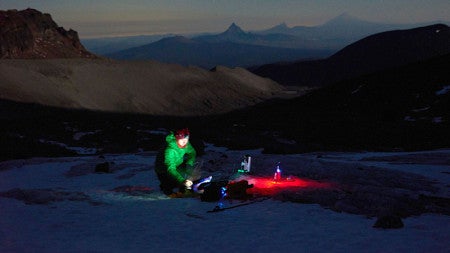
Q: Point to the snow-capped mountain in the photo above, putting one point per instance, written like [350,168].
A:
[340,31]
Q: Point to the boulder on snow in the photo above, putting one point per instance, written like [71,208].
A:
[388,221]
[238,190]
[102,168]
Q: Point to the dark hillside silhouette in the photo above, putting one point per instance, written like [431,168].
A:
[404,107]
[376,52]
[185,51]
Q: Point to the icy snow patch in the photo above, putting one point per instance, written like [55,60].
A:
[409,118]
[79,135]
[78,150]
[437,120]
[421,109]
[443,91]
[358,89]
[155,223]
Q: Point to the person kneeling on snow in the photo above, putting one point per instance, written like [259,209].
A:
[174,164]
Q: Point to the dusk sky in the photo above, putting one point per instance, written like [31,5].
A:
[106,18]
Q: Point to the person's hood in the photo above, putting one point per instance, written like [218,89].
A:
[170,139]
[172,142]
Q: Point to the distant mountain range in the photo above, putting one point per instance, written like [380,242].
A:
[277,40]
[235,47]
[197,52]
[373,53]
[333,34]
[339,31]
[107,45]
[232,48]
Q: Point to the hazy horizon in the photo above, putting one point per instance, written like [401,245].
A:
[113,18]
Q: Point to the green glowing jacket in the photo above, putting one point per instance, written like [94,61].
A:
[170,159]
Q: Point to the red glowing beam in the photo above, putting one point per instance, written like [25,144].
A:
[267,186]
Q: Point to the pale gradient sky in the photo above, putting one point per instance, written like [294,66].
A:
[100,18]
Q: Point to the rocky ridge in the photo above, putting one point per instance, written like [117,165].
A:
[30,34]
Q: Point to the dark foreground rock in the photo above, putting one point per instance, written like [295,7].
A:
[389,222]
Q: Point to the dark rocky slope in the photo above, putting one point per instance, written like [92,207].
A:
[30,34]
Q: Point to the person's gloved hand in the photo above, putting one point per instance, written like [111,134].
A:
[188,184]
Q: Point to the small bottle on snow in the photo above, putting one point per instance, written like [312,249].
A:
[245,164]
[277,175]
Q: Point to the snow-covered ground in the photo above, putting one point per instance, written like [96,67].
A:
[61,205]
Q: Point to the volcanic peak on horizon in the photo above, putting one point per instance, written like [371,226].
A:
[234,29]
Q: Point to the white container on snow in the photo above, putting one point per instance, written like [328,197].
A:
[246,163]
